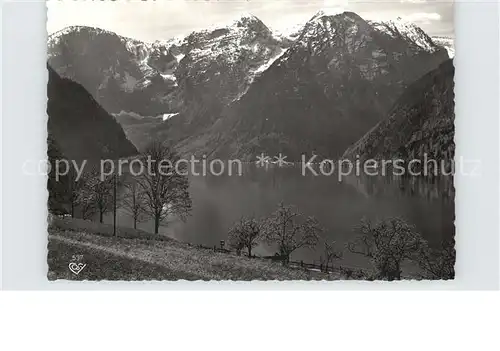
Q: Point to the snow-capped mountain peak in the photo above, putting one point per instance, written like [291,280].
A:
[406,30]
[328,12]
[246,19]
[245,35]
[328,29]
[243,22]
[226,58]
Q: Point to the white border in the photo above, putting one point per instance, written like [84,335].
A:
[410,321]
[23,137]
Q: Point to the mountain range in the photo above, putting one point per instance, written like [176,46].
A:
[151,79]
[242,89]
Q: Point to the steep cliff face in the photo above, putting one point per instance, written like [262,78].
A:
[79,126]
[421,122]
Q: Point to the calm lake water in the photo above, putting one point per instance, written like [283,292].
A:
[220,201]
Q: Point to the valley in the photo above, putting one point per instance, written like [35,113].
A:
[340,87]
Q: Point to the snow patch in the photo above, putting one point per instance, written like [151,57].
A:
[167,116]
[168,77]
[179,57]
[268,64]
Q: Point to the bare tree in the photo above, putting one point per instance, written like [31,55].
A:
[164,184]
[387,243]
[238,246]
[84,197]
[438,263]
[331,253]
[99,189]
[71,188]
[74,189]
[245,234]
[103,190]
[288,229]
[133,201]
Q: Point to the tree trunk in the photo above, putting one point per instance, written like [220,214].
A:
[250,251]
[398,272]
[157,223]
[114,205]
[134,206]
[101,213]
[72,198]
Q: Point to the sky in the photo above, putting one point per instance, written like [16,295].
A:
[164,19]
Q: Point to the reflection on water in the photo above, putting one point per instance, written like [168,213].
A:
[220,201]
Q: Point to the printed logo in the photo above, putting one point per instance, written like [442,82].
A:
[76,266]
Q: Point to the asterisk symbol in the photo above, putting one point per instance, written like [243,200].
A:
[262,160]
[280,160]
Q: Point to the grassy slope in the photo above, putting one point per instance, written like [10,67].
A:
[110,258]
[101,265]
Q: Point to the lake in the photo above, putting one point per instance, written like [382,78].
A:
[219,201]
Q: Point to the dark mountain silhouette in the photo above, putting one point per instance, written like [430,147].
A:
[81,128]
[421,122]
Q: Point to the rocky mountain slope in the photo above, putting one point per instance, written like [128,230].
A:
[79,127]
[151,79]
[421,122]
[120,73]
[241,89]
[336,81]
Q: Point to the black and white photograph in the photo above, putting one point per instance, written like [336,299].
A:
[250,140]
